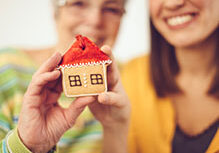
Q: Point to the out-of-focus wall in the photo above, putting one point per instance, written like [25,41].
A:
[29,24]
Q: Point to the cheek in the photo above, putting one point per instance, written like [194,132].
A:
[200,3]
[111,28]
[68,21]
[110,32]
[209,14]
[154,7]
[205,4]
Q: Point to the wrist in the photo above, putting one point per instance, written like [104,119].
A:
[14,143]
[122,123]
[116,128]
[115,138]
[118,121]
[33,147]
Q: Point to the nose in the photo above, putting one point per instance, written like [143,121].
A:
[94,18]
[174,4]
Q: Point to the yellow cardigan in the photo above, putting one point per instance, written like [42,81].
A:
[153,119]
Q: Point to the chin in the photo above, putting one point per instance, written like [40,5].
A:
[184,42]
[180,44]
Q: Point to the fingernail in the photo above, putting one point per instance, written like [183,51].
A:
[105,47]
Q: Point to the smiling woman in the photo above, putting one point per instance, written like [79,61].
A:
[193,25]
[175,98]
[92,19]
[174,90]
[46,120]
[185,26]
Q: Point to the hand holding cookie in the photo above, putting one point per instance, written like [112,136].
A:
[113,107]
[42,121]
[88,70]
[113,111]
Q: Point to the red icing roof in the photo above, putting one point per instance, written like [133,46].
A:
[83,51]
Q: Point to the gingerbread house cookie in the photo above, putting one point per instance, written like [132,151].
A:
[84,68]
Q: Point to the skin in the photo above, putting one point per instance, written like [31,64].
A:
[113,111]
[41,116]
[43,119]
[99,20]
[195,45]
[207,20]
[195,110]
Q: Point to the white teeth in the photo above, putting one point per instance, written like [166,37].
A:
[179,20]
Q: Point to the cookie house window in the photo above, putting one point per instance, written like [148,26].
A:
[96,79]
[74,80]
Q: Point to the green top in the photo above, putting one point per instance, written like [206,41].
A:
[16,70]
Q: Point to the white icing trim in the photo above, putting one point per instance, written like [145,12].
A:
[84,64]
[81,95]
[63,82]
[105,80]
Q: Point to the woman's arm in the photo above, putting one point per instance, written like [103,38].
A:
[115,139]
[113,111]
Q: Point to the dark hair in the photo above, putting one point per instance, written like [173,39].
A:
[164,66]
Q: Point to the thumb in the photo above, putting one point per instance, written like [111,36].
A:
[75,109]
[113,74]
[111,98]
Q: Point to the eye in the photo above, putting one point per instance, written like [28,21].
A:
[76,4]
[113,10]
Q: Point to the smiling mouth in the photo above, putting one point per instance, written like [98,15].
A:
[180,21]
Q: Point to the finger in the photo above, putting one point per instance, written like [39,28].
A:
[107,50]
[113,74]
[59,86]
[55,86]
[75,109]
[38,82]
[50,64]
[54,91]
[111,98]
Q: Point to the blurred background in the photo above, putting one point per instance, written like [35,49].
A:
[29,24]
